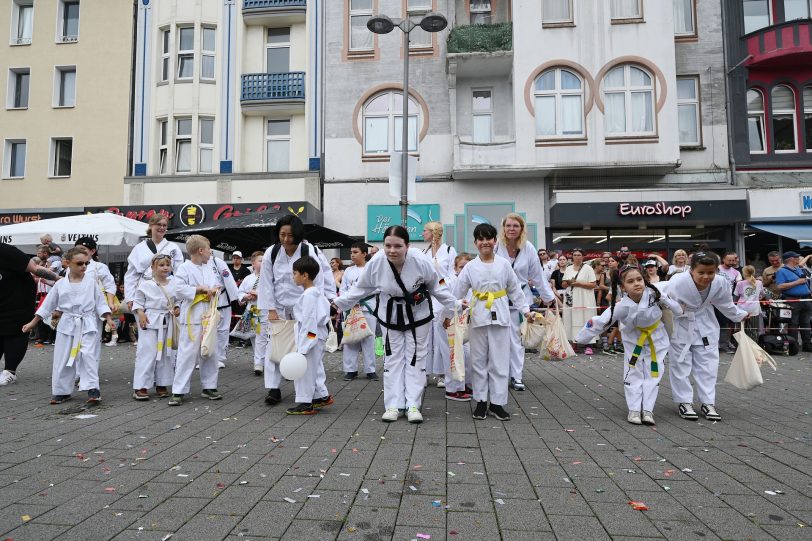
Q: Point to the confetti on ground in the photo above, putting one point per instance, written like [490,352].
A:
[500,501]
[423,536]
[85,416]
[638,506]
[344,474]
[451,474]
[289,500]
[413,488]
[26,518]
[687,470]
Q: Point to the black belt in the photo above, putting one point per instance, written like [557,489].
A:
[400,323]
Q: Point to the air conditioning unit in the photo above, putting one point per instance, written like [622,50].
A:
[69,39]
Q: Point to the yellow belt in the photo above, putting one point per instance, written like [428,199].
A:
[645,336]
[200,297]
[489,296]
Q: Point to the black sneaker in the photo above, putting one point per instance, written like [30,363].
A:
[498,412]
[349,376]
[481,410]
[710,412]
[686,411]
[59,398]
[274,397]
[319,403]
[302,409]
[372,376]
[176,400]
[93,397]
[211,394]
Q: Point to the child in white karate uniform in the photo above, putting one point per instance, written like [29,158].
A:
[695,338]
[639,313]
[248,296]
[79,303]
[442,257]
[365,348]
[312,312]
[156,309]
[459,391]
[195,288]
[228,294]
[492,282]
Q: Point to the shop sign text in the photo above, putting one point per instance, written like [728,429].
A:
[654,209]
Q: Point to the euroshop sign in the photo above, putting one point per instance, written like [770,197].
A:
[654,209]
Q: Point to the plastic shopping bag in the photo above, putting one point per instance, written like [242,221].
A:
[332,339]
[532,332]
[209,323]
[745,370]
[457,334]
[283,339]
[246,327]
[555,346]
[356,327]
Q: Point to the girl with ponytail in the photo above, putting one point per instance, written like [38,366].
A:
[637,306]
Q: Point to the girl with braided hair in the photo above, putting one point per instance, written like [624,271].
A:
[637,306]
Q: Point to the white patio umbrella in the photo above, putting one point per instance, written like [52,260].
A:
[115,235]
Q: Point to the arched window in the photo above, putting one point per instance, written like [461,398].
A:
[783,114]
[628,95]
[808,117]
[559,101]
[383,123]
[755,122]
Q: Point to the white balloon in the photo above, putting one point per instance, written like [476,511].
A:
[293,365]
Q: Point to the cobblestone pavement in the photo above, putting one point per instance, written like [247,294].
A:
[565,467]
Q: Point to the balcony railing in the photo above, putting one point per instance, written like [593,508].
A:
[481,38]
[783,45]
[273,86]
[262,4]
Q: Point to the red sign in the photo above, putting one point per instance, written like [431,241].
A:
[194,214]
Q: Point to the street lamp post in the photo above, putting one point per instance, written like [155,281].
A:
[381,24]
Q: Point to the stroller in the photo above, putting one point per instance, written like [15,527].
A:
[777,337]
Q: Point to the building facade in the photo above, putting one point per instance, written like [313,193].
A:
[63,129]
[226,102]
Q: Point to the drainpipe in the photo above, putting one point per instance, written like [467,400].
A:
[730,154]
[131,119]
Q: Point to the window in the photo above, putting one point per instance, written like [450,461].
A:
[361,39]
[65,79]
[14,166]
[628,93]
[22,22]
[277,50]
[783,116]
[163,149]
[482,107]
[626,9]
[206,145]
[688,109]
[808,117]
[165,55]
[62,157]
[186,53]
[756,15]
[480,11]
[559,95]
[277,143]
[18,80]
[417,9]
[755,122]
[556,11]
[796,9]
[383,123]
[183,145]
[209,48]
[684,24]
[69,21]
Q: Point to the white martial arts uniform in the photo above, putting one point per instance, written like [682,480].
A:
[366,347]
[527,267]
[641,326]
[139,264]
[188,277]
[492,285]
[277,291]
[77,346]
[259,340]
[452,385]
[695,338]
[312,312]
[439,355]
[155,354]
[404,370]
[229,292]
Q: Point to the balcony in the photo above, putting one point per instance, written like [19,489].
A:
[264,93]
[785,45]
[480,50]
[476,160]
[274,12]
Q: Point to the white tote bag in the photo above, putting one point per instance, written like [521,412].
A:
[532,332]
[208,324]
[745,370]
[555,346]
[283,339]
[457,334]
[356,328]
[332,339]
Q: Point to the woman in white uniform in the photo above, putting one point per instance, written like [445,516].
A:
[442,256]
[405,281]
[140,259]
[521,254]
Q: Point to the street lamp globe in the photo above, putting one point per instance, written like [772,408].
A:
[380,24]
[434,22]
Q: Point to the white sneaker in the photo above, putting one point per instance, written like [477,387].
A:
[413,414]
[634,418]
[390,415]
[221,364]
[113,341]
[441,382]
[258,369]
[648,418]
[7,378]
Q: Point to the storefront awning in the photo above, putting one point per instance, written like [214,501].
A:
[800,232]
